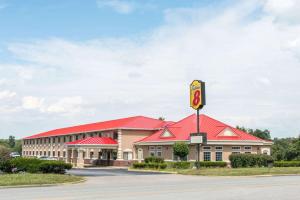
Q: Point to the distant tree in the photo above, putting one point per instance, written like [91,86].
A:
[11,141]
[18,147]
[263,134]
[181,150]
[4,154]
[161,118]
[286,149]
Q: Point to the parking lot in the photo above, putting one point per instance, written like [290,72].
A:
[118,184]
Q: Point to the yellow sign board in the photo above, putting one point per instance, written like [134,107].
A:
[197,94]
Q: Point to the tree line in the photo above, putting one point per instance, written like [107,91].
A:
[283,148]
[11,144]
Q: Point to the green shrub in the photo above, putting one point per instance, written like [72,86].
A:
[154,159]
[180,165]
[162,166]
[287,164]
[250,160]
[181,149]
[56,167]
[149,165]
[211,164]
[33,165]
[139,165]
[30,165]
[6,166]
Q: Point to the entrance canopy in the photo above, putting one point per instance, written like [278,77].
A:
[99,141]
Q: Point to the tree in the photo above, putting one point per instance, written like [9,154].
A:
[161,118]
[4,154]
[181,150]
[11,141]
[263,134]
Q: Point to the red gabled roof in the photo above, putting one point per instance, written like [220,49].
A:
[94,140]
[183,128]
[137,122]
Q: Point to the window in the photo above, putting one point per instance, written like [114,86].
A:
[58,154]
[236,149]
[53,153]
[159,151]
[45,153]
[64,154]
[206,156]
[58,139]
[219,148]
[76,137]
[115,135]
[91,155]
[64,139]
[41,153]
[152,150]
[206,148]
[219,156]
[155,151]
[248,149]
[127,155]
[49,153]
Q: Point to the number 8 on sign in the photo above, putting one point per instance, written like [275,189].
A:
[197,94]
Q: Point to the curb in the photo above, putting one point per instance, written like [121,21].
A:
[43,185]
[163,172]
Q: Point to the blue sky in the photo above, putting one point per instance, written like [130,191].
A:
[72,62]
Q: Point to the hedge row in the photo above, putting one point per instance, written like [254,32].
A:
[250,160]
[154,159]
[211,164]
[33,165]
[187,165]
[149,165]
[287,164]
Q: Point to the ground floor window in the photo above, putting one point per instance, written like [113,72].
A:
[219,156]
[127,155]
[207,156]
[58,154]
[155,151]
[91,154]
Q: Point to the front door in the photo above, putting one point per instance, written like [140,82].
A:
[140,154]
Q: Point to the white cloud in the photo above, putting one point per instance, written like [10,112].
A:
[31,103]
[120,6]
[284,10]
[251,66]
[6,94]
[67,105]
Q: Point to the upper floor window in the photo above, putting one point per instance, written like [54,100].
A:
[206,148]
[219,148]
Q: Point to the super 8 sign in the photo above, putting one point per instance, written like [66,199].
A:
[197,94]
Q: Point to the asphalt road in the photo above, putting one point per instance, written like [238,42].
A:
[165,186]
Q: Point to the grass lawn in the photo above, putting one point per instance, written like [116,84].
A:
[36,179]
[240,171]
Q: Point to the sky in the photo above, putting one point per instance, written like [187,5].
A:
[71,62]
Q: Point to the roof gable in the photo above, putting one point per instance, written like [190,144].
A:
[166,134]
[227,132]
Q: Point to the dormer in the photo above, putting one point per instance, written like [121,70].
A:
[166,134]
[227,132]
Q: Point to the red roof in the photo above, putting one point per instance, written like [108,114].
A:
[94,140]
[137,122]
[181,130]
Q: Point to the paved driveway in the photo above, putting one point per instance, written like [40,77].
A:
[165,186]
[107,172]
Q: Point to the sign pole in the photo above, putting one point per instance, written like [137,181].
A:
[198,145]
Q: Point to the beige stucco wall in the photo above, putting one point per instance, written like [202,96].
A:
[131,136]
[167,152]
